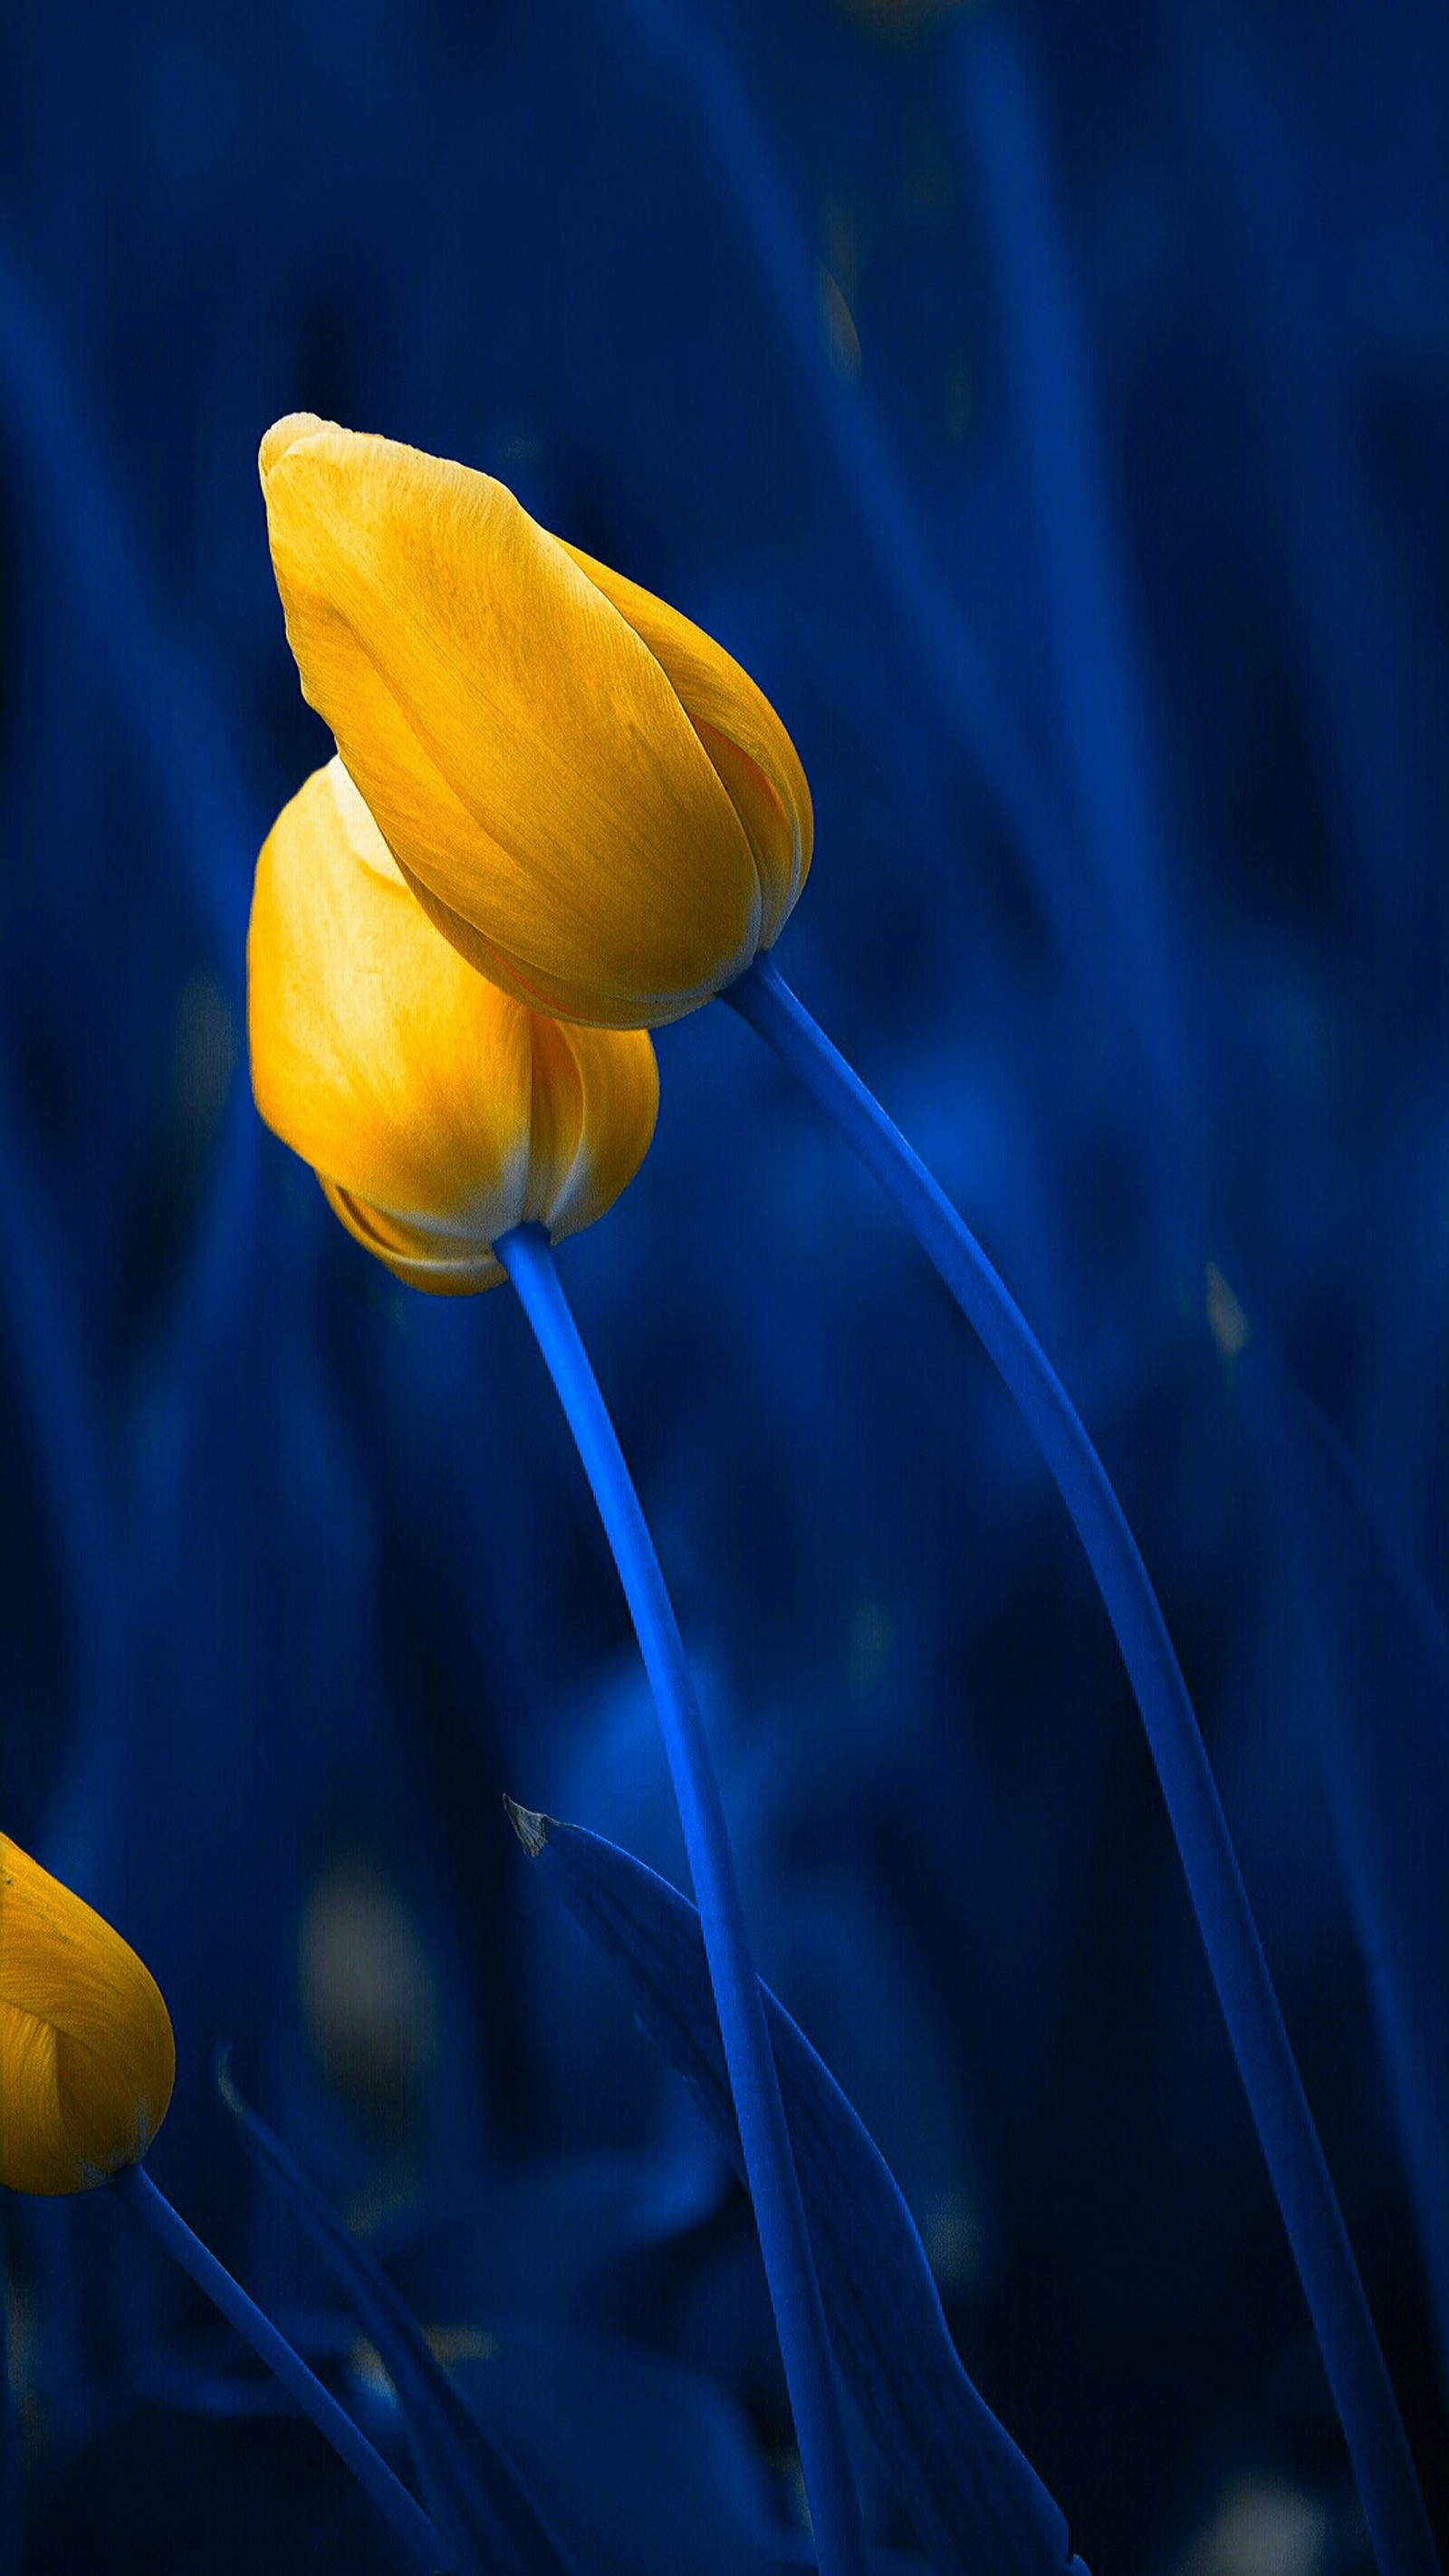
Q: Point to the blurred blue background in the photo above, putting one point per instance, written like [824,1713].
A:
[1050,406]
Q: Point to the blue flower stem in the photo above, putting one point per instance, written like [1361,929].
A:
[1393,2507]
[371,2471]
[769,2163]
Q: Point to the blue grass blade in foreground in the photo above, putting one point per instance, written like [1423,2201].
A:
[1383,2466]
[977,2506]
[486,2521]
[391,2497]
[774,2189]
[1382,1700]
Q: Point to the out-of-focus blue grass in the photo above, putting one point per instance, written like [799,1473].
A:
[934,621]
[483,2518]
[1104,709]
[1375,1660]
[1353,622]
[297,1573]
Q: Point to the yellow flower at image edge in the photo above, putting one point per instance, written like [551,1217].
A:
[594,803]
[87,2060]
[436,1110]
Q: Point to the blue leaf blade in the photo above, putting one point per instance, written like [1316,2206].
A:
[488,2523]
[975,2502]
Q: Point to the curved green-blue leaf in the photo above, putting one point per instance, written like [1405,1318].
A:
[976,2504]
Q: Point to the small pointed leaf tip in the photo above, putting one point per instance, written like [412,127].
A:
[531,1828]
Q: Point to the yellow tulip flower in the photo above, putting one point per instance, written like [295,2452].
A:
[87,2060]
[436,1110]
[594,803]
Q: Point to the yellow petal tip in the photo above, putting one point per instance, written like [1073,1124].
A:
[286,434]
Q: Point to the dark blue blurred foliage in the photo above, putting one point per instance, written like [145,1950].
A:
[1050,406]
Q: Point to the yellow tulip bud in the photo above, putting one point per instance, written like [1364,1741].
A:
[436,1110]
[87,2060]
[595,804]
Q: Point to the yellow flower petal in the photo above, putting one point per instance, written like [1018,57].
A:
[87,2059]
[525,755]
[437,1111]
[757,762]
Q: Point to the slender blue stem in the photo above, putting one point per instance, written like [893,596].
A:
[1393,2506]
[769,2164]
[353,2448]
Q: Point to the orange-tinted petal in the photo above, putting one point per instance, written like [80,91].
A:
[756,761]
[436,1109]
[526,757]
[87,2058]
